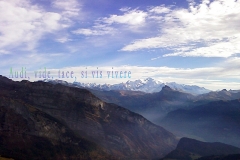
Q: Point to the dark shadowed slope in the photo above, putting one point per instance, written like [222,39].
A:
[119,131]
[189,149]
[28,133]
[222,157]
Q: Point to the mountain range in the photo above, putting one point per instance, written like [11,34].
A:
[148,85]
[209,117]
[151,105]
[41,120]
[214,121]
[155,106]
[59,120]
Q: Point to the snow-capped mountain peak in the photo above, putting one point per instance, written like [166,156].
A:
[151,85]
[148,85]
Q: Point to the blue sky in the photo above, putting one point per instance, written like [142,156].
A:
[185,41]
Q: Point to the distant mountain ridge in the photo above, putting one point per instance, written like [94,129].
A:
[214,121]
[150,105]
[148,85]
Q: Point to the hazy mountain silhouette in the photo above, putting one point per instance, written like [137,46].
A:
[215,121]
[151,105]
[154,106]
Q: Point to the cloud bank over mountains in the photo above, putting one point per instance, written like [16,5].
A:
[185,42]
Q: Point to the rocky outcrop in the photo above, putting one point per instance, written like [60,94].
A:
[28,133]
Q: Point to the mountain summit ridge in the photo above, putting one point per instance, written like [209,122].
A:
[148,85]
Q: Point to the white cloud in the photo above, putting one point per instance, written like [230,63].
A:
[51,21]
[24,23]
[30,61]
[160,9]
[69,8]
[63,40]
[70,5]
[96,31]
[125,9]
[209,77]
[131,19]
[220,49]
[214,26]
